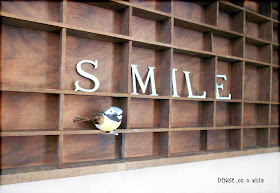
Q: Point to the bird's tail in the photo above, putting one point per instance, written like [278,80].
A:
[80,119]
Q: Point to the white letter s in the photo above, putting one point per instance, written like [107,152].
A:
[87,75]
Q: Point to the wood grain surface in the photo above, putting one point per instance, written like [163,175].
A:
[145,113]
[77,148]
[259,53]
[191,114]
[187,38]
[43,10]
[257,83]
[224,140]
[145,58]
[146,29]
[37,57]
[88,16]
[156,5]
[185,141]
[249,137]
[28,111]
[109,72]
[275,35]
[226,68]
[189,10]
[141,144]
[275,85]
[228,114]
[251,5]
[255,114]
[252,29]
[275,116]
[255,137]
[196,67]
[229,18]
[218,140]
[28,151]
[275,59]
[274,136]
[234,74]
[85,106]
[224,21]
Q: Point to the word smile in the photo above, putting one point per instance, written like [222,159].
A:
[150,78]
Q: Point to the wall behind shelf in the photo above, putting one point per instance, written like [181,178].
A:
[188,177]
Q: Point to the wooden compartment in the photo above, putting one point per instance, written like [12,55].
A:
[161,60]
[187,142]
[85,106]
[255,114]
[255,138]
[257,80]
[28,111]
[257,27]
[191,37]
[263,8]
[230,18]
[275,14]
[107,17]
[157,5]
[275,38]
[275,59]
[25,151]
[37,57]
[202,74]
[228,46]
[275,119]
[109,72]
[192,114]
[41,10]
[145,145]
[146,27]
[228,114]
[233,83]
[275,11]
[274,137]
[238,3]
[258,52]
[201,12]
[82,148]
[157,115]
[275,85]
[224,140]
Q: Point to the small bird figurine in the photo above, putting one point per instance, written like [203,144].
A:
[108,121]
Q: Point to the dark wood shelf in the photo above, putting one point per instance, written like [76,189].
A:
[124,95]
[236,39]
[255,137]
[31,23]
[83,131]
[117,38]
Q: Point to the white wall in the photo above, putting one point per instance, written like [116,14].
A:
[190,177]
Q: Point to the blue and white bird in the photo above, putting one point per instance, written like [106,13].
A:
[108,121]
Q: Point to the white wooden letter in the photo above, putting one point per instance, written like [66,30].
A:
[187,75]
[87,75]
[221,86]
[136,75]
[174,84]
